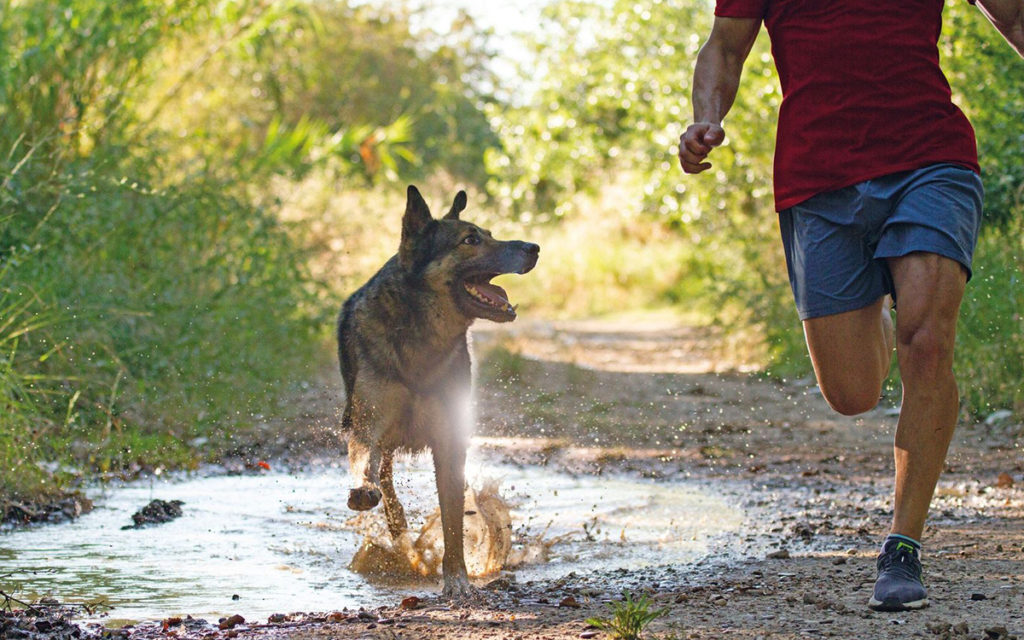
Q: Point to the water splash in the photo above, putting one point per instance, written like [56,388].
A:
[417,554]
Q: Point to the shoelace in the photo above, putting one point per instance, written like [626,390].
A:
[900,562]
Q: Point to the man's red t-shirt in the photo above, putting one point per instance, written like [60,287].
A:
[863,94]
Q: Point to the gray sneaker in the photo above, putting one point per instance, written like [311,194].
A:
[898,587]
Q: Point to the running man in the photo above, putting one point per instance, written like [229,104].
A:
[878,192]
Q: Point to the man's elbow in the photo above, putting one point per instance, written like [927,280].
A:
[1007,16]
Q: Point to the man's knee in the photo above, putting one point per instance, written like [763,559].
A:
[851,402]
[924,352]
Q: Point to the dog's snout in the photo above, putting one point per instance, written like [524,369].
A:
[530,252]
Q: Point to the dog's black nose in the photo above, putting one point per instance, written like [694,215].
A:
[531,249]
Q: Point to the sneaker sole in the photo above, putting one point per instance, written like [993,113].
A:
[895,605]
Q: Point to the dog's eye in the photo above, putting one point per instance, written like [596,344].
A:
[471,239]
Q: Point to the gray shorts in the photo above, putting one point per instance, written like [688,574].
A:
[836,242]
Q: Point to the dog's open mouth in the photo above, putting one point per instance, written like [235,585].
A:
[484,293]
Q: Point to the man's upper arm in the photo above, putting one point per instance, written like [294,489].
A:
[734,37]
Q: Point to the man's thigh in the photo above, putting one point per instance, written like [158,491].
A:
[930,288]
[928,243]
[841,250]
[851,352]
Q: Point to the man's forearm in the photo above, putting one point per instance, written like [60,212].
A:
[1007,16]
[716,76]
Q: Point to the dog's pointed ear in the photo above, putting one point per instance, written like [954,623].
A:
[416,218]
[457,206]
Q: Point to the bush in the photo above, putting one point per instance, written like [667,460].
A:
[143,302]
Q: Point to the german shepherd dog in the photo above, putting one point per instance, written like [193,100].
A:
[404,354]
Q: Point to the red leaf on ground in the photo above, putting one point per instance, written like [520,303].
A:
[412,602]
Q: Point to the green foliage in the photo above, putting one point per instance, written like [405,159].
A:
[629,617]
[986,76]
[607,115]
[152,289]
[144,301]
[990,338]
[383,103]
[151,150]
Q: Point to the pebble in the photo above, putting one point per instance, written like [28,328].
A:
[232,622]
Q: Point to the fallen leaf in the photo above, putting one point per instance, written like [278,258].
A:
[1004,481]
[570,602]
[412,602]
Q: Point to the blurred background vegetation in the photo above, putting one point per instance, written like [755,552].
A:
[189,188]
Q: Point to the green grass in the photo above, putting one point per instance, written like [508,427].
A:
[147,331]
[502,365]
[628,617]
[21,421]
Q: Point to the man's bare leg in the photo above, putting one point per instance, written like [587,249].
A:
[851,352]
[929,288]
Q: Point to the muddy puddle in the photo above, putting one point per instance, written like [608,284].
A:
[281,542]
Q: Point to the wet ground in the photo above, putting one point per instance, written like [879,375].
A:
[271,541]
[655,403]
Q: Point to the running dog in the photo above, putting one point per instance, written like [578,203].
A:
[404,354]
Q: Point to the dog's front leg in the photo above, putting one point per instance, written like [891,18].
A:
[364,462]
[366,424]
[449,469]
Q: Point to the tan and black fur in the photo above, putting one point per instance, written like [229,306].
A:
[403,348]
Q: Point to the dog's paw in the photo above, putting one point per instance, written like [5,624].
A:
[363,498]
[458,588]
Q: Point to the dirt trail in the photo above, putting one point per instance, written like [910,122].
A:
[654,399]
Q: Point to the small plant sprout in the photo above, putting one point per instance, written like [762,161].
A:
[629,617]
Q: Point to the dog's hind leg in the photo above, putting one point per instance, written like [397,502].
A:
[450,472]
[393,511]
